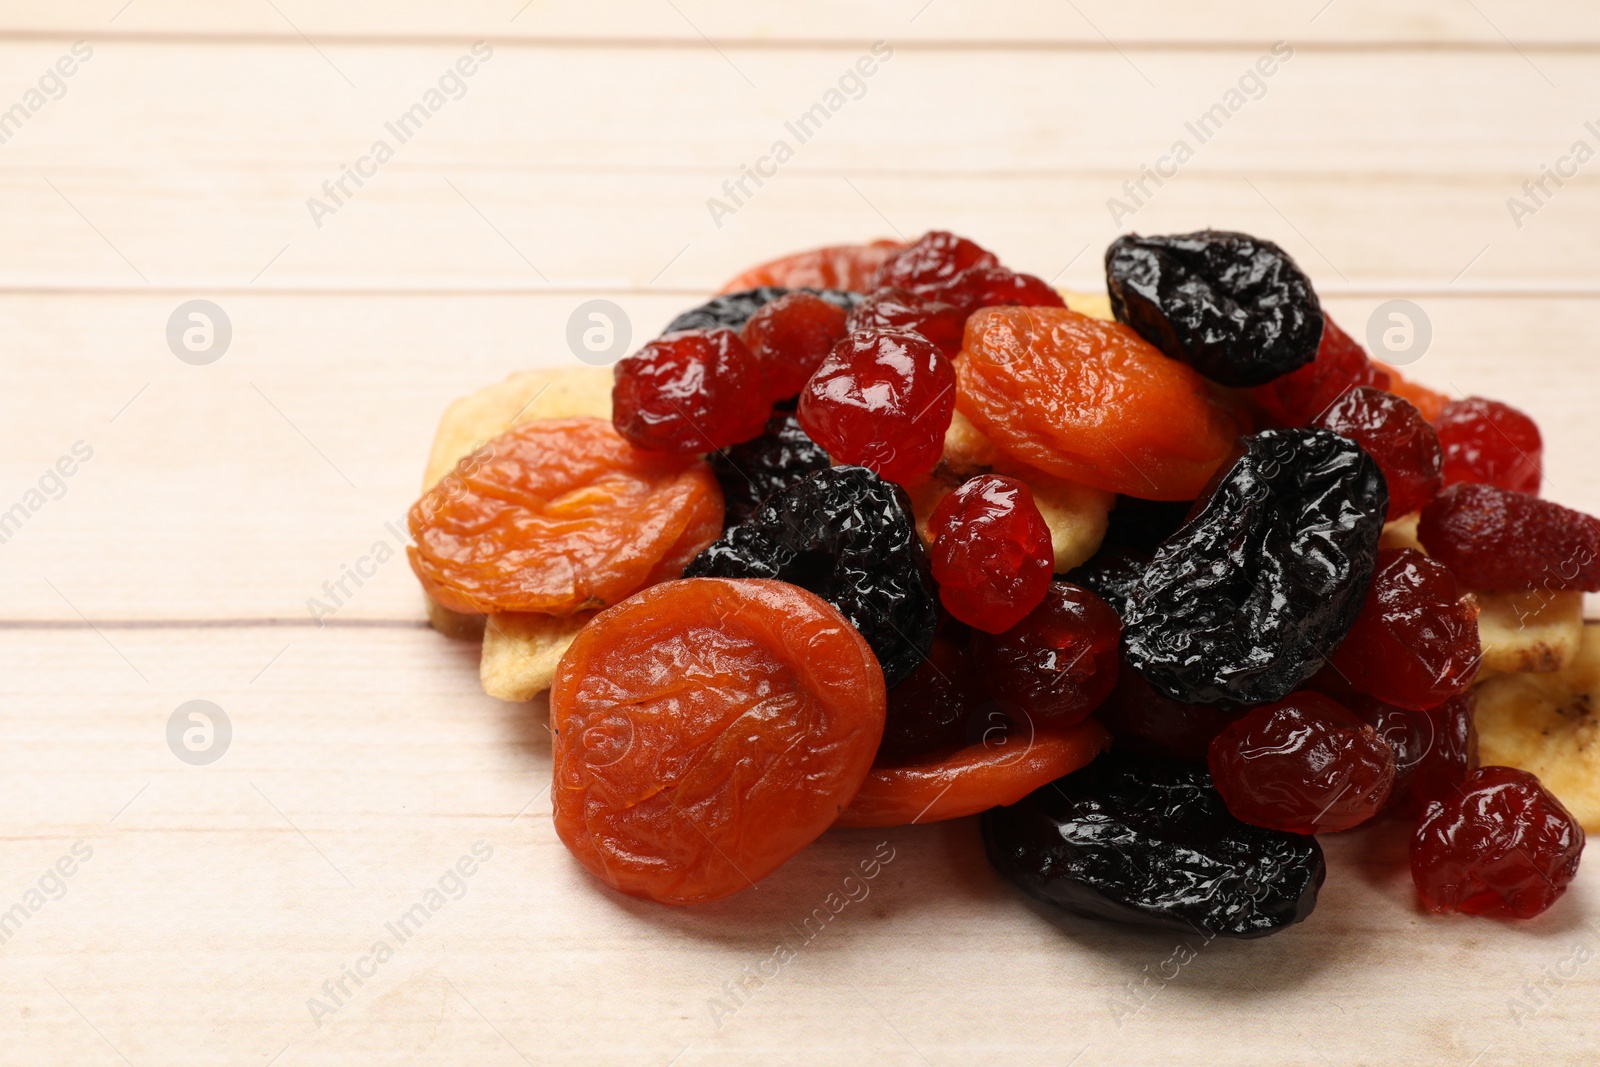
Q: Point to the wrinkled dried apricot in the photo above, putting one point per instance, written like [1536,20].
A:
[833,267]
[558,516]
[1091,401]
[705,731]
[1004,765]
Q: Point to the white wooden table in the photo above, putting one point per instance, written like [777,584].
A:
[228,913]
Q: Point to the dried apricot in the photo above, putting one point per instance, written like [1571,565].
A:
[1091,401]
[1006,764]
[833,267]
[705,731]
[558,516]
[1430,402]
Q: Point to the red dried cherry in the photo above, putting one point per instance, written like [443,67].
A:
[1409,735]
[931,261]
[1415,643]
[1149,722]
[1449,758]
[1494,538]
[903,310]
[1057,664]
[790,337]
[1305,765]
[1490,442]
[1394,433]
[1303,394]
[982,287]
[1501,845]
[881,400]
[693,391]
[992,554]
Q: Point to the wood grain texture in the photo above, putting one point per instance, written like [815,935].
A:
[177,561]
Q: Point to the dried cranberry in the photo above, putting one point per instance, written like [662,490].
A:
[1449,758]
[693,391]
[1490,442]
[1394,433]
[1305,765]
[930,709]
[903,310]
[1494,538]
[992,554]
[1502,845]
[1409,735]
[881,400]
[982,287]
[791,337]
[1151,723]
[1059,662]
[1415,642]
[1301,395]
[932,261]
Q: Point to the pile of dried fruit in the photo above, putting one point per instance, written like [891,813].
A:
[894,534]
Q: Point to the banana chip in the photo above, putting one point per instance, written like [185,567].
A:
[1094,305]
[1549,725]
[1533,633]
[521,652]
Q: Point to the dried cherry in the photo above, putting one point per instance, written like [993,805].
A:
[849,536]
[931,262]
[1092,402]
[559,516]
[1059,662]
[1234,307]
[694,391]
[1143,841]
[1341,365]
[1394,433]
[902,311]
[1153,724]
[835,267]
[982,287]
[705,731]
[731,311]
[1305,765]
[881,400]
[1453,754]
[992,556]
[1245,601]
[755,469]
[1501,845]
[1490,442]
[790,337]
[1494,538]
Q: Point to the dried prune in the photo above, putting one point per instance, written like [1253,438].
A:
[1415,643]
[1234,307]
[752,471]
[992,555]
[1301,395]
[1394,433]
[931,708]
[849,536]
[1113,573]
[731,311]
[1245,602]
[694,391]
[1305,765]
[558,516]
[1143,524]
[1153,724]
[1091,402]
[706,731]
[1059,662]
[882,400]
[1142,841]
[1500,845]
[789,338]
[1490,442]
[834,267]
[1494,538]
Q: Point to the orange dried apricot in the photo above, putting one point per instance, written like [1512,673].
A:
[1001,769]
[1430,402]
[705,731]
[1091,401]
[558,516]
[834,267]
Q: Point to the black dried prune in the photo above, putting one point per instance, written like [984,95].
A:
[751,472]
[1142,841]
[1143,524]
[1245,602]
[848,536]
[733,310]
[1113,572]
[1234,307]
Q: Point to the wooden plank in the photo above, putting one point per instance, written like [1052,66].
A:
[221,491]
[1021,23]
[364,764]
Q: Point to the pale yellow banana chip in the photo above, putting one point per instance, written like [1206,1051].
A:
[521,652]
[1094,305]
[1549,725]
[1402,533]
[1536,632]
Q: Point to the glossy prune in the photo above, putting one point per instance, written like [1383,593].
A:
[849,536]
[731,311]
[1142,841]
[1499,539]
[1153,724]
[754,470]
[930,709]
[1113,573]
[1244,602]
[1233,306]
